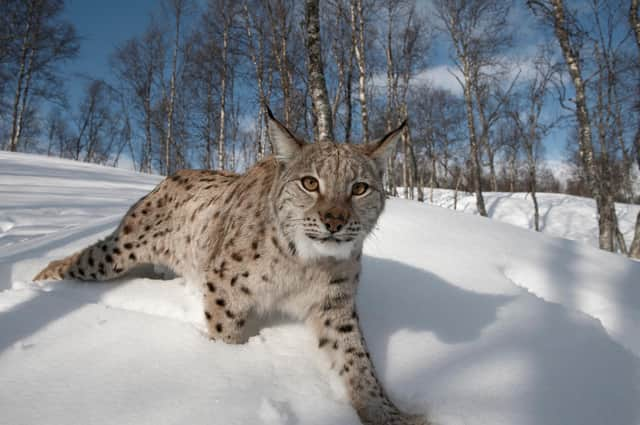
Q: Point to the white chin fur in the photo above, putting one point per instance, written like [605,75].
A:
[310,250]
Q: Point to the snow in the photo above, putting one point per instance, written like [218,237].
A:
[565,216]
[470,319]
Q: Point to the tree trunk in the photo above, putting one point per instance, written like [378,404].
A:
[208,158]
[457,188]
[476,170]
[606,225]
[265,116]
[258,62]
[24,99]
[83,129]
[146,163]
[492,165]
[347,102]
[484,132]
[223,96]
[338,53]
[279,31]
[433,180]
[536,211]
[532,190]
[260,134]
[22,73]
[318,86]
[410,159]
[357,38]
[414,171]
[172,95]
[392,187]
[408,191]
[513,173]
[530,142]
[606,209]
[391,174]
[634,250]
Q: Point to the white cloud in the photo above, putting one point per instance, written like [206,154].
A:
[444,76]
[441,76]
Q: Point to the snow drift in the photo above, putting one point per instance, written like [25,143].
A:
[468,319]
[566,216]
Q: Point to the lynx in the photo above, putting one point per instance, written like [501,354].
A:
[285,236]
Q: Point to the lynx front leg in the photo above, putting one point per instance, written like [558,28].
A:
[336,325]
[226,308]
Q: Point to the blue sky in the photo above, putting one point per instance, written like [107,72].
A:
[102,25]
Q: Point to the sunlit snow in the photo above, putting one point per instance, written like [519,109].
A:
[471,320]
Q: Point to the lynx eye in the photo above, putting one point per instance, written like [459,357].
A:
[310,183]
[359,189]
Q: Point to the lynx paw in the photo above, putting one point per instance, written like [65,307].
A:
[398,418]
[53,271]
[404,419]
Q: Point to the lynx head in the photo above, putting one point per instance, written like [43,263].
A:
[328,196]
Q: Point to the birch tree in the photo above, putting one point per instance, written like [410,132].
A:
[438,120]
[358,40]
[338,23]
[634,21]
[416,40]
[138,63]
[257,41]
[280,14]
[571,39]
[478,32]
[531,127]
[177,9]
[202,74]
[224,67]
[45,41]
[490,100]
[406,44]
[317,83]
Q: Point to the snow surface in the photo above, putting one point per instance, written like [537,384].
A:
[472,320]
[565,216]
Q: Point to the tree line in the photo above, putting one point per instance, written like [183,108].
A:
[191,89]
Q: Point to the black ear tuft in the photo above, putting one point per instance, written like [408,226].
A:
[269,113]
[382,149]
[285,144]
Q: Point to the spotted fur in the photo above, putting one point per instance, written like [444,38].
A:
[261,242]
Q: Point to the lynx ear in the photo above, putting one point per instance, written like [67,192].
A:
[285,144]
[382,149]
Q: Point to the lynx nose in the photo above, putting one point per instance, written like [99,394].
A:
[334,219]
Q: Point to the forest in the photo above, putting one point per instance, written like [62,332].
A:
[192,88]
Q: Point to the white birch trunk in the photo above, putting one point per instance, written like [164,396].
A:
[223,95]
[357,35]
[318,87]
[172,94]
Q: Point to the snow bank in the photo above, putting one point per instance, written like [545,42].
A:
[472,320]
[565,216]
